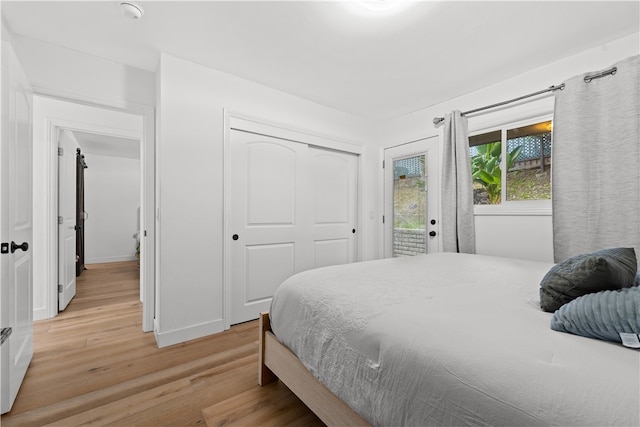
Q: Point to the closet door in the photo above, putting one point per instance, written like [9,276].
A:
[292,207]
[332,198]
[267,219]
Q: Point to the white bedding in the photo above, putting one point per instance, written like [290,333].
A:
[451,339]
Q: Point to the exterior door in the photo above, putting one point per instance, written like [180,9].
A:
[16,228]
[268,210]
[66,219]
[411,198]
[332,197]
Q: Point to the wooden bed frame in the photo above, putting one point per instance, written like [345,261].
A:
[275,361]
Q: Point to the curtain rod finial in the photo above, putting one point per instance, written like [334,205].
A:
[437,120]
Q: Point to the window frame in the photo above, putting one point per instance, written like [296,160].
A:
[511,207]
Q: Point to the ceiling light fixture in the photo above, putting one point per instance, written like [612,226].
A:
[376,8]
[380,5]
[131,10]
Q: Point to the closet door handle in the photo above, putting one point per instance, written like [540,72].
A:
[235,237]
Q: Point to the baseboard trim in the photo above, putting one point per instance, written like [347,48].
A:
[177,336]
[110,259]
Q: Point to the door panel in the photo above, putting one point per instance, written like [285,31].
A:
[22,203]
[333,204]
[16,226]
[331,185]
[262,279]
[22,274]
[331,252]
[411,198]
[267,210]
[271,183]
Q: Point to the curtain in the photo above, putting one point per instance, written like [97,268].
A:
[596,162]
[458,231]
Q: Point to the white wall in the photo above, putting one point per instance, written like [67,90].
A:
[112,199]
[66,73]
[190,133]
[513,234]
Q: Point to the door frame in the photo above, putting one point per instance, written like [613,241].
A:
[146,138]
[246,123]
[67,164]
[409,149]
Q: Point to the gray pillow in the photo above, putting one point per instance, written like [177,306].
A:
[607,269]
[602,315]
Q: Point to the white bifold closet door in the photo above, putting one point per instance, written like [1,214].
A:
[292,208]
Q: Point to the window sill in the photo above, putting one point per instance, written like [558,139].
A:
[525,208]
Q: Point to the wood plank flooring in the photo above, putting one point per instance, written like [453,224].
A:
[93,365]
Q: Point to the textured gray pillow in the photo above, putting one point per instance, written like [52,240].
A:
[607,269]
[601,315]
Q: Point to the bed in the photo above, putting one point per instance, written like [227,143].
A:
[440,339]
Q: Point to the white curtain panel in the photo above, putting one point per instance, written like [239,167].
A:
[596,162]
[458,230]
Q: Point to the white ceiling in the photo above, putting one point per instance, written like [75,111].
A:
[338,53]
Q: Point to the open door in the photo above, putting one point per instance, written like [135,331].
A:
[16,228]
[66,219]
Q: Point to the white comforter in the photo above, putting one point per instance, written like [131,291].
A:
[451,339]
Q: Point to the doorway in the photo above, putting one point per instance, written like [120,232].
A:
[411,176]
[51,116]
[109,218]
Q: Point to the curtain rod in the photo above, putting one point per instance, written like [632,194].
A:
[587,79]
[610,71]
[437,120]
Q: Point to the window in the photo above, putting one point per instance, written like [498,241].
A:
[524,152]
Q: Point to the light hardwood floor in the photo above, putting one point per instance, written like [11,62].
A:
[92,365]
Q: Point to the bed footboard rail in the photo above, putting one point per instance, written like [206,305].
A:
[265,375]
[276,361]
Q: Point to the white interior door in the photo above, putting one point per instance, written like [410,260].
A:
[267,212]
[332,196]
[16,228]
[66,219]
[411,178]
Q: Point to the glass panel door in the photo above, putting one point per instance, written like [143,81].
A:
[411,175]
[409,206]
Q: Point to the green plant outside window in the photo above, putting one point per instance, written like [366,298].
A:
[528,161]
